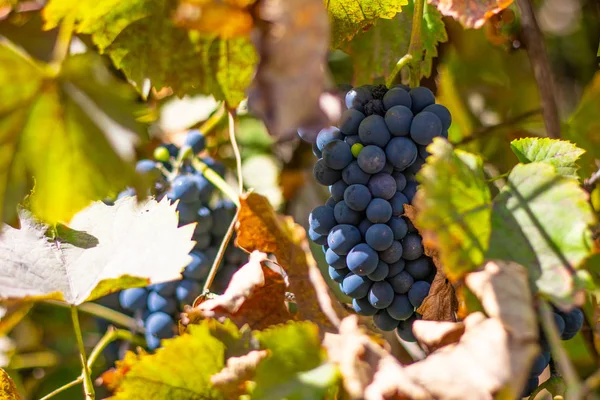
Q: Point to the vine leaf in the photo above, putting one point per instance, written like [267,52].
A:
[139,37]
[454,207]
[471,14]
[435,334]
[237,371]
[181,369]
[350,17]
[8,390]
[287,92]
[559,153]
[549,247]
[293,348]
[583,126]
[44,118]
[255,296]
[260,228]
[104,250]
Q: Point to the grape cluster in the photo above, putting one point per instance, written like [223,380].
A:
[567,324]
[369,163]
[158,306]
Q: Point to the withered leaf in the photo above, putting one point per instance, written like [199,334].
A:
[8,390]
[255,296]
[441,304]
[287,89]
[238,370]
[433,335]
[502,289]
[472,14]
[260,228]
[224,19]
[369,371]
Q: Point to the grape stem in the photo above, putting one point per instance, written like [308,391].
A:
[88,385]
[110,336]
[558,352]
[414,56]
[215,266]
[106,313]
[236,150]
[216,180]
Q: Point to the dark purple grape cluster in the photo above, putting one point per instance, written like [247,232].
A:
[369,163]
[158,306]
[567,324]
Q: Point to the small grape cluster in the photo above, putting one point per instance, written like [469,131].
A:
[159,305]
[567,324]
[369,164]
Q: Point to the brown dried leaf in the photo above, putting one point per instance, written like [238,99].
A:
[369,371]
[494,353]
[441,304]
[471,13]
[225,19]
[231,380]
[287,90]
[502,288]
[260,228]
[255,296]
[433,335]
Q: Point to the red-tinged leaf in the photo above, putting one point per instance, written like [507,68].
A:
[471,13]
[255,296]
[260,228]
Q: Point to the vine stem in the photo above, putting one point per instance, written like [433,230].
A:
[88,385]
[215,266]
[414,55]
[538,58]
[415,48]
[236,151]
[216,180]
[98,310]
[592,181]
[63,42]
[558,352]
[110,336]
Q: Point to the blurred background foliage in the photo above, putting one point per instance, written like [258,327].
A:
[482,75]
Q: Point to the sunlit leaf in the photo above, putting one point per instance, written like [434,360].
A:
[8,390]
[224,19]
[454,207]
[105,249]
[350,17]
[180,370]
[139,36]
[74,134]
[559,153]
[542,221]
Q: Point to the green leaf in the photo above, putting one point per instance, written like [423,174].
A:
[583,126]
[455,206]
[105,249]
[376,51]
[180,370]
[74,134]
[319,383]
[542,220]
[294,348]
[348,17]
[139,37]
[559,153]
